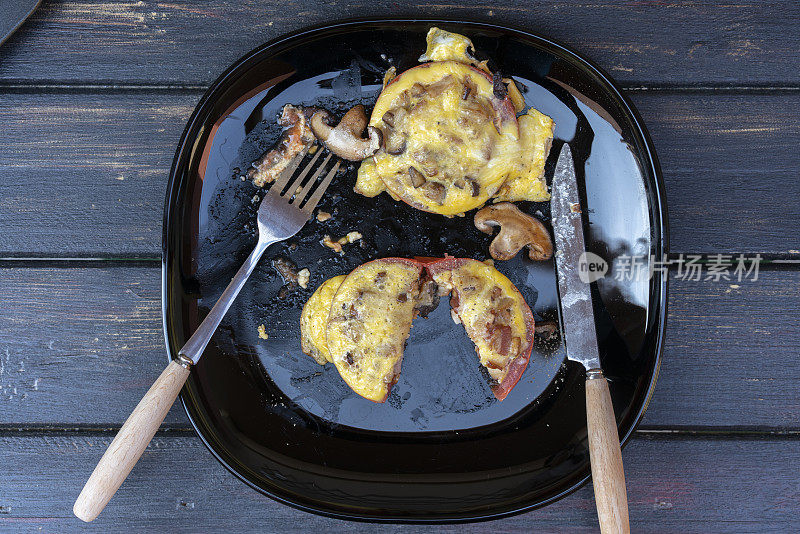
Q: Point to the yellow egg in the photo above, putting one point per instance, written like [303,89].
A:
[370,320]
[314,320]
[526,181]
[494,314]
[450,141]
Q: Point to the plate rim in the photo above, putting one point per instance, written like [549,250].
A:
[658,212]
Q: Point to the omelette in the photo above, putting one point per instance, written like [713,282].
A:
[451,136]
[360,322]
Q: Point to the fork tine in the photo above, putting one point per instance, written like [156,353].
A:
[306,188]
[300,177]
[312,202]
[287,173]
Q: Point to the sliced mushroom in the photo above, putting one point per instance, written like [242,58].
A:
[428,298]
[475,187]
[516,231]
[469,89]
[417,178]
[440,86]
[388,119]
[498,87]
[434,191]
[395,143]
[345,139]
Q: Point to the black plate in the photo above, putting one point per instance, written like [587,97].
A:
[441,448]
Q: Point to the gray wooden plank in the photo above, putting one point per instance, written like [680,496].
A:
[80,345]
[178,487]
[747,42]
[727,158]
[83,344]
[728,164]
[87,173]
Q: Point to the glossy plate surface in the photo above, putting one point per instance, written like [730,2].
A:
[441,448]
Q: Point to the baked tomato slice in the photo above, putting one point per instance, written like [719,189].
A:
[369,322]
[494,314]
[449,141]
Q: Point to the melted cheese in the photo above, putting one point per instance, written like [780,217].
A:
[474,282]
[446,46]
[369,323]
[314,320]
[447,152]
[526,181]
[445,140]
[368,181]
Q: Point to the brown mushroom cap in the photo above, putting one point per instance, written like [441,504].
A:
[345,139]
[517,230]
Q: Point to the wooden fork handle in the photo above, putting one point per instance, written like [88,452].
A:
[608,477]
[130,442]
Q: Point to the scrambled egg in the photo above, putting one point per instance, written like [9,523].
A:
[370,320]
[314,320]
[526,181]
[453,152]
[450,142]
[446,46]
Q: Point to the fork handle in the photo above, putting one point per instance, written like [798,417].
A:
[196,344]
[130,442]
[142,424]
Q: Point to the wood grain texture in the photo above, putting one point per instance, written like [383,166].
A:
[178,487]
[84,344]
[748,42]
[73,334]
[106,158]
[608,474]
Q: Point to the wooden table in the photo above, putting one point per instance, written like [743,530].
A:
[93,99]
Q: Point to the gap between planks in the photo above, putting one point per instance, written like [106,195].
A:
[78,87]
[769,261]
[644,432]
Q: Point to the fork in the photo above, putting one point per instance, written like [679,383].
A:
[281,214]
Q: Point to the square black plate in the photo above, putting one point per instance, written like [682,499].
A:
[441,448]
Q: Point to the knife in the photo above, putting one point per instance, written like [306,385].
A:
[577,320]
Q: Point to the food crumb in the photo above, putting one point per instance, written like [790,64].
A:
[336,245]
[323,216]
[351,237]
[331,244]
[262,332]
[303,276]
[489,262]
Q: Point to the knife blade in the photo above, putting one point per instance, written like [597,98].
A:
[577,316]
[580,338]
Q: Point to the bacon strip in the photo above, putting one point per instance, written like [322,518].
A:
[295,138]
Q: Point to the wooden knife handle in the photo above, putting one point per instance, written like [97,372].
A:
[130,442]
[608,477]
